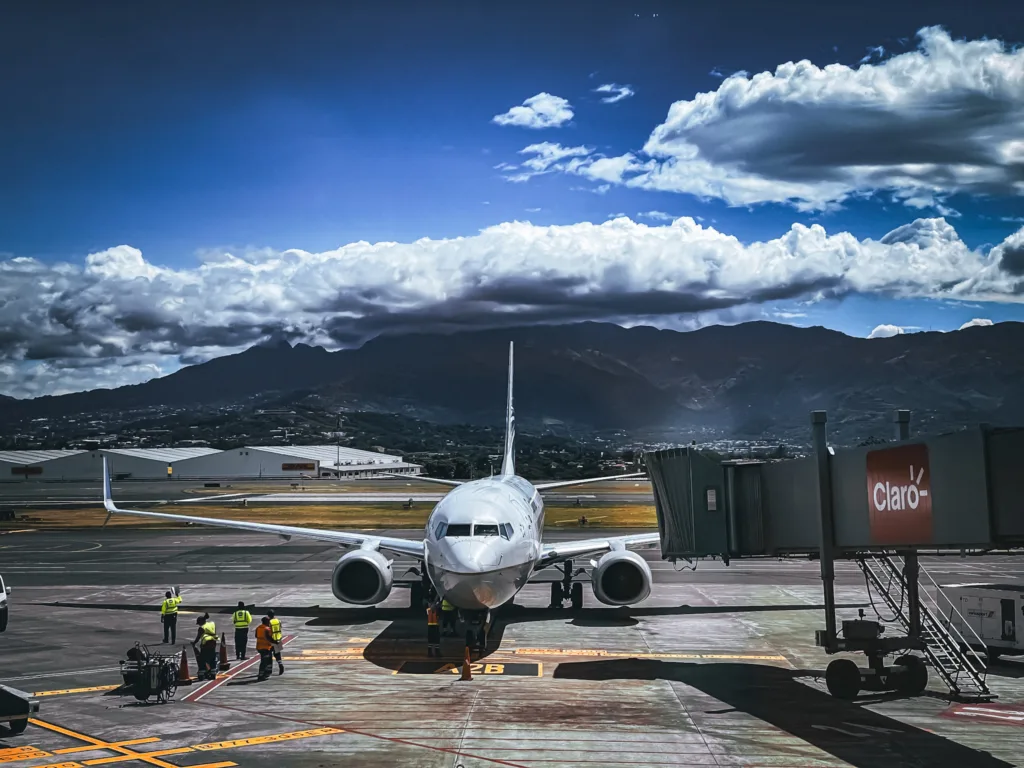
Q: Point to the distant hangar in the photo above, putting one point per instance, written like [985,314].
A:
[202,463]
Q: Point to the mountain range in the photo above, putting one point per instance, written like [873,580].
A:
[755,379]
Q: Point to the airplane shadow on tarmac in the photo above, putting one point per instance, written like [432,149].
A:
[404,639]
[852,733]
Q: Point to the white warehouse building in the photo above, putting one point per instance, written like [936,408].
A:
[206,463]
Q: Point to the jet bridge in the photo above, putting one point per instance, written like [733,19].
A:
[878,505]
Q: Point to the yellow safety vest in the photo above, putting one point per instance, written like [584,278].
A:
[446,606]
[275,630]
[209,632]
[241,619]
[170,606]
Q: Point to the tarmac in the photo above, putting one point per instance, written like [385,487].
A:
[717,668]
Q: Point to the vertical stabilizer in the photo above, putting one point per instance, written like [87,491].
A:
[508,463]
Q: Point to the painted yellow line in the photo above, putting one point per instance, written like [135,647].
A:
[630,655]
[330,651]
[14,754]
[144,757]
[226,764]
[93,748]
[136,755]
[339,657]
[65,691]
[62,765]
[266,739]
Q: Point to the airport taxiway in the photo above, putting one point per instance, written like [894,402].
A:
[717,668]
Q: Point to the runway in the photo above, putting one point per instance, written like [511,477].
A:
[196,556]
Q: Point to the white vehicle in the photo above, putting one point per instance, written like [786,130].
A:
[995,613]
[4,592]
[481,545]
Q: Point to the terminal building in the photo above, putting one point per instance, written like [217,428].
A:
[266,461]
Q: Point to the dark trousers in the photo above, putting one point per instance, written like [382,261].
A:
[170,627]
[209,657]
[266,663]
[241,639]
[433,639]
[448,620]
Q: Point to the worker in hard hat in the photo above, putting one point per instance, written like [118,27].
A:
[206,640]
[169,615]
[241,618]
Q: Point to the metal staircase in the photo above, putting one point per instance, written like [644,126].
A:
[950,654]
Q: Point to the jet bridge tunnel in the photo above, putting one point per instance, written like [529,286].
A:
[874,504]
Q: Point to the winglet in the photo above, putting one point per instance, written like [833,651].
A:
[508,464]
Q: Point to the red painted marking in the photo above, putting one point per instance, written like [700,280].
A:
[1001,714]
[212,685]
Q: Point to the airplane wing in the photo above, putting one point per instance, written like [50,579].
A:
[567,550]
[397,546]
[423,479]
[565,483]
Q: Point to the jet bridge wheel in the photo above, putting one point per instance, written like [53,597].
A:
[577,596]
[556,595]
[17,727]
[842,678]
[913,679]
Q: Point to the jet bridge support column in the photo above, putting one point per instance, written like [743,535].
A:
[828,576]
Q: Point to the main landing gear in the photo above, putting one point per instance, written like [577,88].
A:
[566,589]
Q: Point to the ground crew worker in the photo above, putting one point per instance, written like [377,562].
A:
[265,648]
[169,615]
[448,617]
[275,638]
[433,631]
[206,638]
[241,618]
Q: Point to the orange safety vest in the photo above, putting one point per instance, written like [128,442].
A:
[431,616]
[263,638]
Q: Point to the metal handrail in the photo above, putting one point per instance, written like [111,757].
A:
[950,626]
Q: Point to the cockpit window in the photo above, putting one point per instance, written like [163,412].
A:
[485,529]
[458,529]
[439,531]
[506,530]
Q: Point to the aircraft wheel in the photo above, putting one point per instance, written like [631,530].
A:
[914,678]
[556,595]
[577,596]
[843,679]
[470,639]
[3,618]
[991,654]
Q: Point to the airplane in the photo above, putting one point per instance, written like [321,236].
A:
[482,543]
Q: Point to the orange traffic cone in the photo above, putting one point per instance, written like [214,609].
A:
[224,666]
[467,673]
[184,677]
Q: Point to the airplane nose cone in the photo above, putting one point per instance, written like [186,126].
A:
[474,556]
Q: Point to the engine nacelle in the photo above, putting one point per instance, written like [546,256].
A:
[621,578]
[362,577]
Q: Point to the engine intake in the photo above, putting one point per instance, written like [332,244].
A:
[363,577]
[621,578]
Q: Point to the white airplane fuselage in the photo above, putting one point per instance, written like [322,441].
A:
[483,541]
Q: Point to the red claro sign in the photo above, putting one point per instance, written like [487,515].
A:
[900,495]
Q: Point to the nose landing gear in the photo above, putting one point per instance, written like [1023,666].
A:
[566,589]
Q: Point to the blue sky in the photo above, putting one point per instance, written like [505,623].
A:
[186,130]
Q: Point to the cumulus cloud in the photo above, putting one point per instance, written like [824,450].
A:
[978,321]
[885,331]
[118,318]
[945,118]
[616,92]
[540,111]
[546,157]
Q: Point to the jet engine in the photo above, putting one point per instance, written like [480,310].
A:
[621,578]
[362,577]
